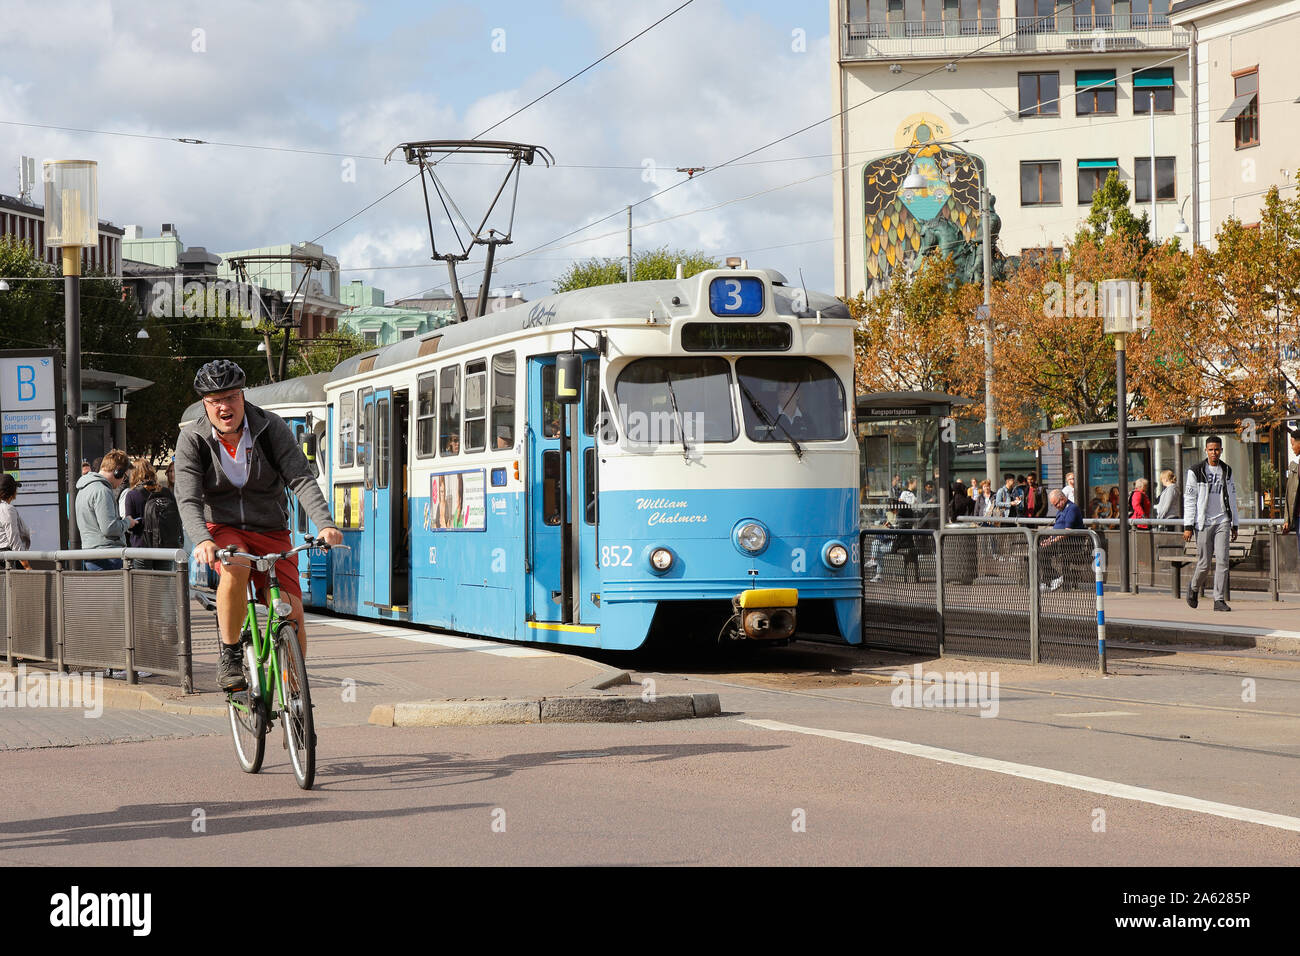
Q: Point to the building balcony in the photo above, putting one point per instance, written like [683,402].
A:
[990,36]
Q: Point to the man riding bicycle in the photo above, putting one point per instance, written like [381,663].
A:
[232,467]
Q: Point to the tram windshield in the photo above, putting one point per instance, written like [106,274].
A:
[660,398]
[797,399]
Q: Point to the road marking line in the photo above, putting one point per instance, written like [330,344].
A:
[1058,778]
[1100,713]
[424,637]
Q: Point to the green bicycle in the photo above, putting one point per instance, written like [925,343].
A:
[275,675]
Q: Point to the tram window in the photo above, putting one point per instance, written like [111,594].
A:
[590,389]
[699,388]
[550,407]
[382,451]
[475,406]
[551,487]
[426,416]
[503,400]
[589,488]
[347,426]
[800,398]
[365,444]
[449,435]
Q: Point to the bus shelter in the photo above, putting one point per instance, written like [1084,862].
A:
[906,437]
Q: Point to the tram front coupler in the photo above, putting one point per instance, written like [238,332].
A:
[764,614]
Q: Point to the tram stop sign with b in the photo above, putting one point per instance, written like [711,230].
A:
[32,443]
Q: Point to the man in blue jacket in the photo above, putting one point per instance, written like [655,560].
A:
[1051,561]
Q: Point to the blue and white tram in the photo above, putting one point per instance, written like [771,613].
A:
[669,456]
[301,403]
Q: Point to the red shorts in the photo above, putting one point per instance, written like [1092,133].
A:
[257,542]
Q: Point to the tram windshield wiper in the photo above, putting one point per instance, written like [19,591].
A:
[672,397]
[758,408]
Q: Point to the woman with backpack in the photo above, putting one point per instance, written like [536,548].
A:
[155,507]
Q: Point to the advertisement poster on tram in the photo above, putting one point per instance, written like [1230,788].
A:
[457,501]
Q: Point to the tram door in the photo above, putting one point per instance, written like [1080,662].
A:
[377,559]
[563,587]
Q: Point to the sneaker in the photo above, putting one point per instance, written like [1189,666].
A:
[230,669]
[876,579]
[1221,606]
[1192,597]
[1056,585]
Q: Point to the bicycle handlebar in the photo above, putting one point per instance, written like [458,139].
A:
[310,544]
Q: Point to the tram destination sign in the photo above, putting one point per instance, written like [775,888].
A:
[32,445]
[901,411]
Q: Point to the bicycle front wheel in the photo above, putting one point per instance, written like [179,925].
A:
[295,697]
[248,727]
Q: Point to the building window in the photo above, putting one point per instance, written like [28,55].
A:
[1040,183]
[1165,185]
[1041,254]
[1153,85]
[1094,92]
[1244,111]
[1149,14]
[1092,173]
[1092,15]
[1040,94]
[405,334]
[372,338]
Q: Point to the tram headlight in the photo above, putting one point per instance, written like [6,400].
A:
[751,536]
[835,555]
[661,559]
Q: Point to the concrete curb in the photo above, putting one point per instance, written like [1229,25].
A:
[582,709]
[1146,632]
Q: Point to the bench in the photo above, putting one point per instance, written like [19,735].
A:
[1238,551]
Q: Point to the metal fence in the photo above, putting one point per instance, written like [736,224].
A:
[1006,593]
[1271,564]
[136,618]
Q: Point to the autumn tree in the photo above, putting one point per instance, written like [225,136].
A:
[918,334]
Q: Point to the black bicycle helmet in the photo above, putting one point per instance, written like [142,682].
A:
[218,376]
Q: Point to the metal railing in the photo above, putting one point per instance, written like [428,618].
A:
[1146,569]
[1007,593]
[133,619]
[1066,33]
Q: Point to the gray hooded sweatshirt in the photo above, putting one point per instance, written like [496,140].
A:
[98,520]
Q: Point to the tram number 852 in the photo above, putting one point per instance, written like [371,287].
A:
[616,556]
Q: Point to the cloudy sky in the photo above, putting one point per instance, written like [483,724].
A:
[351,80]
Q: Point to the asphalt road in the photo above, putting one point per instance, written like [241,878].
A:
[1163,763]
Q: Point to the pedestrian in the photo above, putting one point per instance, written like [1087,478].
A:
[1068,489]
[984,499]
[1005,502]
[157,514]
[1114,501]
[1167,502]
[1035,499]
[1052,559]
[1019,491]
[1210,511]
[1139,504]
[1291,506]
[97,518]
[14,534]
[85,467]
[1099,507]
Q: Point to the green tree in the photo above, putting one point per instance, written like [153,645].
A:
[649,264]
[1110,214]
[323,353]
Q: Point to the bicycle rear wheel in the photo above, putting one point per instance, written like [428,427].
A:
[248,727]
[295,697]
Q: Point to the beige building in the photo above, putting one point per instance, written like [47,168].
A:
[1246,101]
[1050,97]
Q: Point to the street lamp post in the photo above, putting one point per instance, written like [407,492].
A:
[71,224]
[1119,301]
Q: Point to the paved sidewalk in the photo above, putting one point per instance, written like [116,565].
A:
[1255,621]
